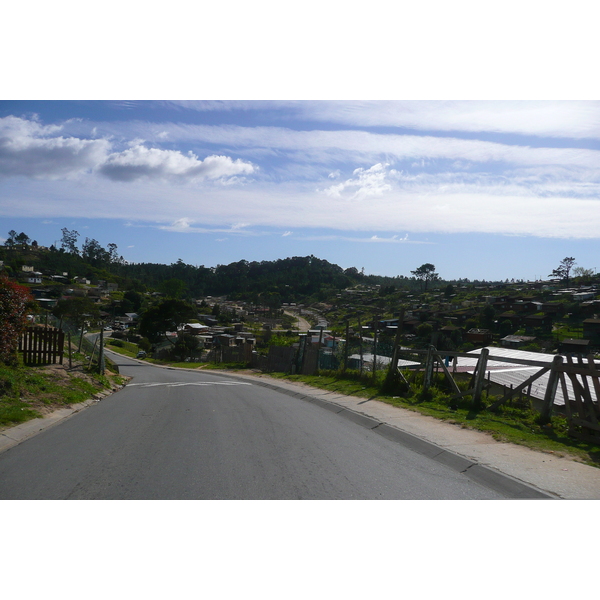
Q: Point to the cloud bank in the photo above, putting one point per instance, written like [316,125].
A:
[31,150]
[139,161]
[306,175]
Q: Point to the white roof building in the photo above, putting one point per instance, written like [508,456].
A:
[507,373]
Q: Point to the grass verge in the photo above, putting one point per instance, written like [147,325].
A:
[30,392]
[514,424]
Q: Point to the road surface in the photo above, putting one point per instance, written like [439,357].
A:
[177,434]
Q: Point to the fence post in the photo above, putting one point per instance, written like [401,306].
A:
[394,364]
[551,388]
[318,359]
[101,350]
[376,324]
[360,341]
[346,345]
[428,368]
[480,377]
[69,344]
[302,353]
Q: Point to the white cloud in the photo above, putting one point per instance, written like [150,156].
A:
[559,118]
[139,161]
[30,149]
[568,119]
[370,182]
[374,239]
[415,207]
[25,150]
[327,147]
[186,225]
[180,225]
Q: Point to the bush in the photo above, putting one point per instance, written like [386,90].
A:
[145,344]
[15,300]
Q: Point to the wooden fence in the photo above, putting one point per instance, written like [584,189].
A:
[581,398]
[42,345]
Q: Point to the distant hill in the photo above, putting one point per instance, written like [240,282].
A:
[284,280]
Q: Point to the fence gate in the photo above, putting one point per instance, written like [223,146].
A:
[42,345]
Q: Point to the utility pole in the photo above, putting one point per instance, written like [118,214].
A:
[346,345]
[360,344]
[376,326]
[101,349]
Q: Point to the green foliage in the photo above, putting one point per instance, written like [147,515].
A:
[15,301]
[426,273]
[282,339]
[77,309]
[144,344]
[172,288]
[424,330]
[164,317]
[69,241]
[564,268]
[19,384]
[185,346]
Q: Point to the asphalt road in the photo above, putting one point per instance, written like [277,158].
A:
[176,434]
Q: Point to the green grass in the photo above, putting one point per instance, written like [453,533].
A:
[517,425]
[131,350]
[22,389]
[179,365]
[567,329]
[222,366]
[123,347]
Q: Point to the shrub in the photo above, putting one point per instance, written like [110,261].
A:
[14,303]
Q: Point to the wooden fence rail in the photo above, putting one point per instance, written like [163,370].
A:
[582,399]
[42,345]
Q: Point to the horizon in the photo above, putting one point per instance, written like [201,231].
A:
[484,190]
[44,245]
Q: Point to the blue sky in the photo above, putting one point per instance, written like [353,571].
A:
[482,189]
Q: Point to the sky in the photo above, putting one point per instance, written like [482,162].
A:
[451,134]
[481,189]
[381,136]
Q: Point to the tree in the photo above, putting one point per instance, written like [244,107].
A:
[69,241]
[424,330]
[173,288]
[426,273]
[23,239]
[79,310]
[93,253]
[563,270]
[584,275]
[11,241]
[185,346]
[163,317]
[15,300]
[486,317]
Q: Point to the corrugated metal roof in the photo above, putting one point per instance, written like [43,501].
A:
[507,374]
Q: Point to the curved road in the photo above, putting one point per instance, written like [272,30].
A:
[176,434]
